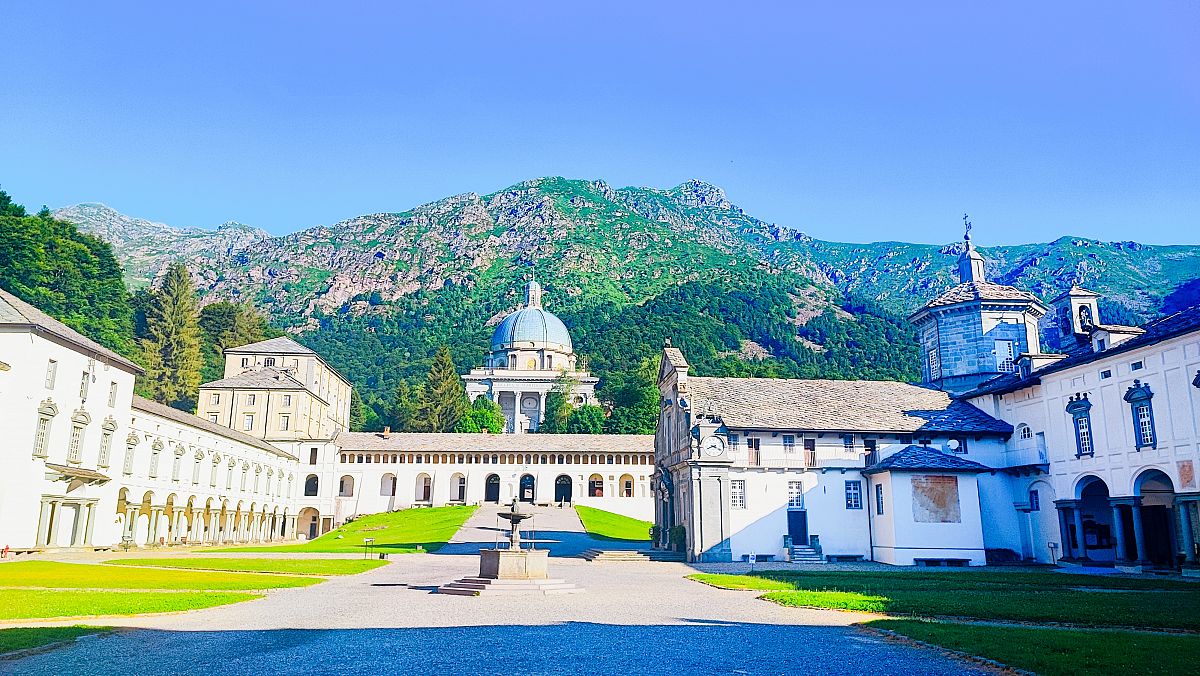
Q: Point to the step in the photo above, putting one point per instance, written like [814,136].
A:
[480,586]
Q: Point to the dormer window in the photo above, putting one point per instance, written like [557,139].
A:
[1101,344]
[1142,410]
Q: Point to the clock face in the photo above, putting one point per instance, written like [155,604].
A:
[712,446]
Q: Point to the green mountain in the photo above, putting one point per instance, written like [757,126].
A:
[626,268]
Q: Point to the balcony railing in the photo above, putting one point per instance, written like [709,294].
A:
[1032,454]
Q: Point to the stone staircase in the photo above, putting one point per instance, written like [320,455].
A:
[631,555]
[804,554]
[482,586]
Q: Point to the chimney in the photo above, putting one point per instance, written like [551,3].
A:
[387,432]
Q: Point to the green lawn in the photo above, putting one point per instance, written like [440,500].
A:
[269,565]
[40,603]
[56,575]
[1060,652]
[604,525]
[394,532]
[1097,601]
[24,638]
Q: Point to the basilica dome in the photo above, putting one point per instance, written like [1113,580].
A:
[532,324]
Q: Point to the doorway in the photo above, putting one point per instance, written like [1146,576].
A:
[798,527]
[491,492]
[562,488]
[527,488]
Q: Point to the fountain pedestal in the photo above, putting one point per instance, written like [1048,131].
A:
[520,564]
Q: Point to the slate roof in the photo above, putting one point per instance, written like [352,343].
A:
[978,291]
[921,458]
[281,345]
[1182,322]
[836,405]
[411,442]
[16,312]
[674,356]
[148,406]
[265,378]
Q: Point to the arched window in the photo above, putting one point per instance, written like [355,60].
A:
[1024,432]
[387,485]
[595,486]
[79,421]
[346,487]
[626,486]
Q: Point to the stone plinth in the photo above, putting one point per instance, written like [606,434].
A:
[514,564]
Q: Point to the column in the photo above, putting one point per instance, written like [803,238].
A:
[1189,538]
[1118,532]
[91,523]
[43,535]
[131,524]
[1078,514]
[152,527]
[1138,534]
[55,516]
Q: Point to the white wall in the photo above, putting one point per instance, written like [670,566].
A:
[912,539]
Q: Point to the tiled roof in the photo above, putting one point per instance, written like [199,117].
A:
[487,443]
[281,345]
[674,356]
[265,378]
[979,291]
[1120,328]
[1182,322]
[153,407]
[16,312]
[921,458]
[836,405]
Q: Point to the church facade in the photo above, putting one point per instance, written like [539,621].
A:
[1040,433]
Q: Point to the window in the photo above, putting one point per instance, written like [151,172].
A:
[810,452]
[177,464]
[312,456]
[1105,374]
[196,469]
[853,495]
[250,399]
[310,485]
[74,446]
[112,394]
[1004,356]
[737,494]
[848,442]
[346,487]
[872,451]
[51,372]
[734,442]
[41,436]
[245,362]
[105,447]
[212,417]
[1026,432]
[229,478]
[879,498]
[789,443]
[214,399]
[84,382]
[958,445]
[1079,408]
[130,447]
[1137,366]
[935,365]
[1035,501]
[752,448]
[1101,345]
[285,422]
[155,452]
[1139,397]
[287,400]
[248,422]
[269,361]
[795,495]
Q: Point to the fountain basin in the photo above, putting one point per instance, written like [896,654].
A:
[514,564]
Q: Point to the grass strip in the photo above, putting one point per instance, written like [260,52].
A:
[25,638]
[272,565]
[604,525]
[1059,652]
[394,532]
[56,575]
[22,604]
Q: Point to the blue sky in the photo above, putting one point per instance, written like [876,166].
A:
[850,121]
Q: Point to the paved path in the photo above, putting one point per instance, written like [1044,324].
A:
[633,618]
[558,530]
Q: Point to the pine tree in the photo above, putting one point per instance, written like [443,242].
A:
[358,417]
[171,351]
[444,401]
[634,398]
[406,402]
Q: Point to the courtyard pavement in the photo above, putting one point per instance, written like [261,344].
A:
[635,617]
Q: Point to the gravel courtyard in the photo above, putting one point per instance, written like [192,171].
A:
[633,618]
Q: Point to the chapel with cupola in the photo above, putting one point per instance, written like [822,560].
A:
[531,349]
[976,329]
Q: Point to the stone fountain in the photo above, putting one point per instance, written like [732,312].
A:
[512,569]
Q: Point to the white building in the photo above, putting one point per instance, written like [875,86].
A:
[531,349]
[1105,427]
